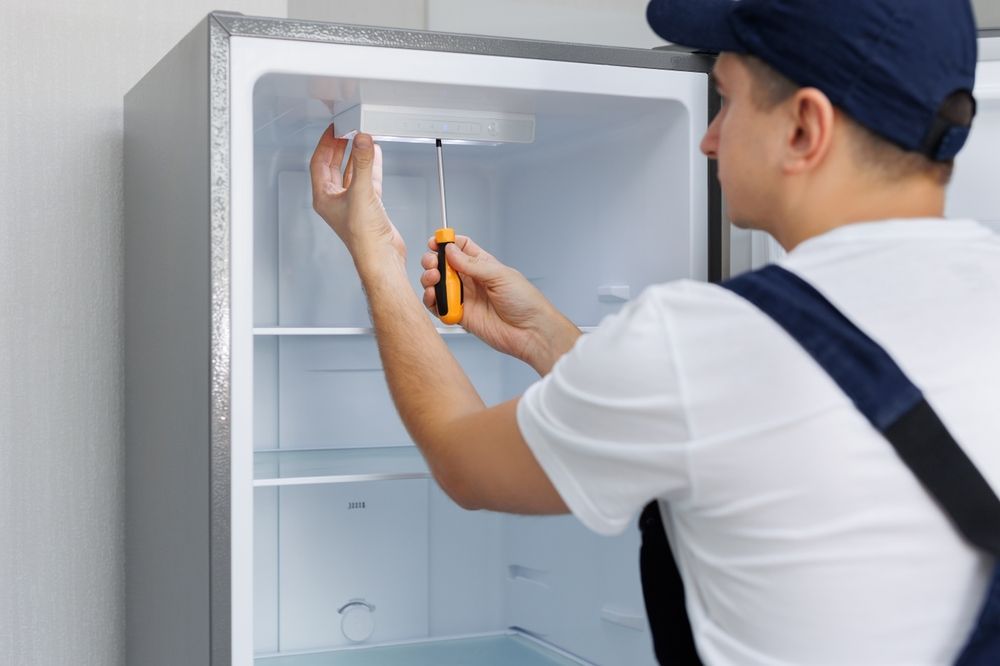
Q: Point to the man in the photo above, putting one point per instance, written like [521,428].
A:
[799,534]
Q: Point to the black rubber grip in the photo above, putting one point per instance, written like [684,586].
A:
[441,288]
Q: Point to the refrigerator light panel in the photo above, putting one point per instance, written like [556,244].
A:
[418,125]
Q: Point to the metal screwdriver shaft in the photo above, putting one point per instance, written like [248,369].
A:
[449,291]
[444,205]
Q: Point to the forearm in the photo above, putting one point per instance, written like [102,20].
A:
[554,337]
[429,387]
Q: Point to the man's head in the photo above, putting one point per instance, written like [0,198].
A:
[828,102]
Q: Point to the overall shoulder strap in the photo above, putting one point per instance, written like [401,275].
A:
[886,397]
[663,593]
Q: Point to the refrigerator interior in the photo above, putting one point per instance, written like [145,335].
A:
[351,538]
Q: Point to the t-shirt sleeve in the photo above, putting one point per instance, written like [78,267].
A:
[608,424]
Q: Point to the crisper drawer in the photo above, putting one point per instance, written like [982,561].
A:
[341,564]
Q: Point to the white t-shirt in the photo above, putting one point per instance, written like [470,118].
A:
[800,535]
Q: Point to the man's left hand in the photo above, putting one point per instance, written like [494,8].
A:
[352,203]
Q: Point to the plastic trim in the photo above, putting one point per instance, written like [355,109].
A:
[340,478]
[719,245]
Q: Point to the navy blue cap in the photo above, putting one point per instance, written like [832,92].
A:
[888,64]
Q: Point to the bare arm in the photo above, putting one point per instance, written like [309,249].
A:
[476,453]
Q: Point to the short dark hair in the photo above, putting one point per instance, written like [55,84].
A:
[894,163]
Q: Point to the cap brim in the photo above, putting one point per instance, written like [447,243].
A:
[699,24]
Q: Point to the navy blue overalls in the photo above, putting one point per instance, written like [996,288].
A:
[896,408]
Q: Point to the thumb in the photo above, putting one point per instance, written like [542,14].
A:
[481,267]
[362,159]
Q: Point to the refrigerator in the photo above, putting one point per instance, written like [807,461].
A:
[277,512]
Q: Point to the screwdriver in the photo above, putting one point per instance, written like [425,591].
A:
[449,291]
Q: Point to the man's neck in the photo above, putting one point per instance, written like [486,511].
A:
[913,198]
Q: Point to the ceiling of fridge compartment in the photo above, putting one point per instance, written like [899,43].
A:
[291,110]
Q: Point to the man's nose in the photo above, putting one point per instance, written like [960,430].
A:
[710,143]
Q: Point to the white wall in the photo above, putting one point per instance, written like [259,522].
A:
[64,67]
[387,13]
[611,22]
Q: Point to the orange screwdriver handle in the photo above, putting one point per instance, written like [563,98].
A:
[449,291]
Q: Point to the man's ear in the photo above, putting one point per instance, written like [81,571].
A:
[811,118]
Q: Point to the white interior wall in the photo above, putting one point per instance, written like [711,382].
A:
[65,67]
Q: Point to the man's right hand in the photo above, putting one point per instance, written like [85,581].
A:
[501,306]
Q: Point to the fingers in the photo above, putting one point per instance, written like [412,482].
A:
[480,266]
[319,165]
[465,257]
[377,171]
[430,277]
[469,246]
[324,167]
[465,243]
[363,157]
[349,171]
[339,148]
[430,299]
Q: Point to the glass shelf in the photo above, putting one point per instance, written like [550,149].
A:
[296,467]
[501,650]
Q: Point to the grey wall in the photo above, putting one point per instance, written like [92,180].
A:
[64,67]
[988,13]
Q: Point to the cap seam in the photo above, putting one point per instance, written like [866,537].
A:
[863,75]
